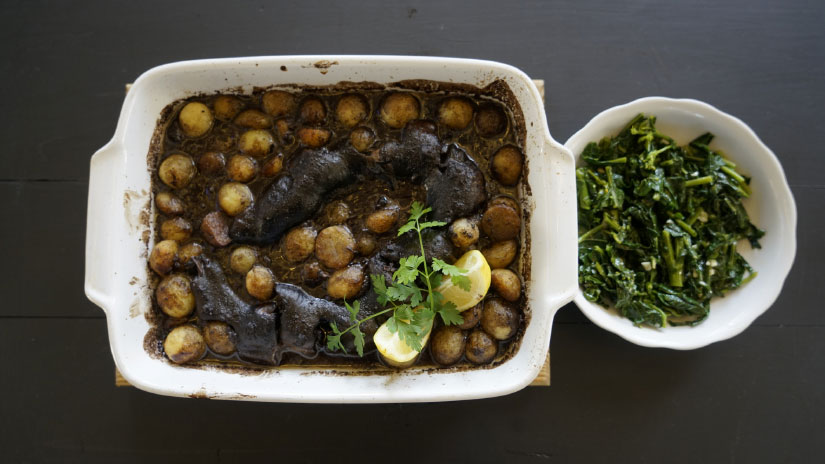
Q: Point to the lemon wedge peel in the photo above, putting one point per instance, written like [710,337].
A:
[478,271]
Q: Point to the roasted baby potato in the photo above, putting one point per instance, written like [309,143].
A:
[335,247]
[174,296]
[464,233]
[278,103]
[506,165]
[447,345]
[220,338]
[234,198]
[242,259]
[176,228]
[211,163]
[500,254]
[455,112]
[253,119]
[351,110]
[169,204]
[184,344]
[177,170]
[384,219]
[399,108]
[256,142]
[312,274]
[312,112]
[501,222]
[163,256]
[273,166]
[195,119]
[241,168]
[481,348]
[471,317]
[506,283]
[189,251]
[499,319]
[490,121]
[362,138]
[299,243]
[260,282]
[346,283]
[313,137]
[226,107]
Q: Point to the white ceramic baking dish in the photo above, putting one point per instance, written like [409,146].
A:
[120,220]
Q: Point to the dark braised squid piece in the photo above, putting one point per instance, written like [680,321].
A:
[295,196]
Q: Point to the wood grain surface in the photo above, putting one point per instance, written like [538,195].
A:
[758,397]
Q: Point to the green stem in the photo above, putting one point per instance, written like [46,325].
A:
[733,174]
[699,181]
[590,232]
[686,226]
[383,311]
[426,270]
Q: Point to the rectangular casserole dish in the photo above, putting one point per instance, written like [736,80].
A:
[119,233]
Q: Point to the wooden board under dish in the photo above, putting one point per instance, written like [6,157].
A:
[542,380]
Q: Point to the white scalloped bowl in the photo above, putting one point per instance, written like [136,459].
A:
[771,207]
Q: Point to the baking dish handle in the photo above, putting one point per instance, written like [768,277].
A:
[562,170]
[100,220]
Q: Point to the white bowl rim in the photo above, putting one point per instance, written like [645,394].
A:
[656,338]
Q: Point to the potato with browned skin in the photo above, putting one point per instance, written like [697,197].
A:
[177,170]
[351,110]
[241,168]
[346,283]
[500,254]
[234,198]
[455,112]
[176,228]
[189,251]
[184,344]
[312,111]
[169,204]
[480,348]
[299,243]
[256,142]
[501,222]
[313,137]
[490,121]
[278,103]
[312,274]
[384,219]
[242,259]
[220,338]
[335,247]
[506,283]
[447,345]
[471,317]
[399,108]
[163,256]
[260,282]
[273,166]
[211,163]
[195,119]
[337,212]
[506,165]
[362,138]
[464,233]
[227,107]
[253,119]
[366,244]
[499,318]
[174,296]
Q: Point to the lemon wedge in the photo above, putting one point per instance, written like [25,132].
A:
[395,351]
[478,271]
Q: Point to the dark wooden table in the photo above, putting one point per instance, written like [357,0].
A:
[759,397]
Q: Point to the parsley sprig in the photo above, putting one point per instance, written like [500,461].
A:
[410,296]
